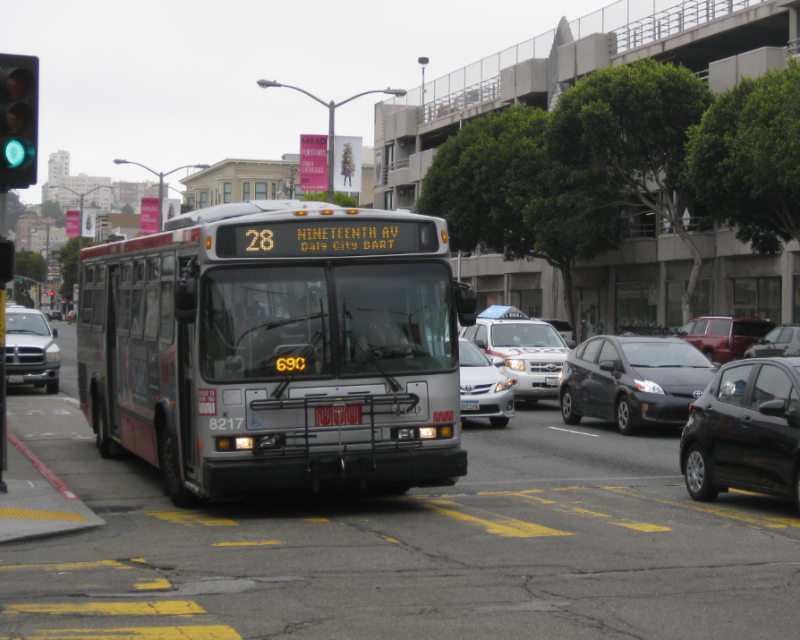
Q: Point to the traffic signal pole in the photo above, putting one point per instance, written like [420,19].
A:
[3,438]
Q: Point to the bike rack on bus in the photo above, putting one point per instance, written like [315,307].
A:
[400,403]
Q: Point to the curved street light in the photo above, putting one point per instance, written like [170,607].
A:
[332,106]
[80,223]
[161,176]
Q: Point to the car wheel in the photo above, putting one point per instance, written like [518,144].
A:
[52,387]
[698,476]
[568,413]
[498,422]
[624,423]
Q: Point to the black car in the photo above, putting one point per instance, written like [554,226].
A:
[781,341]
[744,432]
[633,380]
[55,314]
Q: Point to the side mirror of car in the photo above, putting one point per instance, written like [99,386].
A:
[773,408]
[480,343]
[55,333]
[572,344]
[498,362]
[607,365]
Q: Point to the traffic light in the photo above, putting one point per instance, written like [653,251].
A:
[52,293]
[19,114]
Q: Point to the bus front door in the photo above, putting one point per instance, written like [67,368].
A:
[187,399]
[112,360]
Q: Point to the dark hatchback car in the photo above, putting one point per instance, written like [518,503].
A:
[633,380]
[783,341]
[744,432]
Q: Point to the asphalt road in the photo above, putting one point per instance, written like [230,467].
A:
[557,532]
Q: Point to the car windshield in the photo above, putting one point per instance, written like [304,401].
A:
[470,356]
[773,335]
[27,323]
[526,335]
[664,354]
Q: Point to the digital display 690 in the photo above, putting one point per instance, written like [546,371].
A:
[328,237]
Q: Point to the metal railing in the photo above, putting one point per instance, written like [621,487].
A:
[635,23]
[794,47]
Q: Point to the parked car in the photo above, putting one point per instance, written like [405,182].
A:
[724,338]
[485,392]
[32,355]
[563,327]
[634,380]
[744,432]
[781,341]
[532,351]
[55,314]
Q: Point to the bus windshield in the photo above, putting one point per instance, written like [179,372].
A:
[277,322]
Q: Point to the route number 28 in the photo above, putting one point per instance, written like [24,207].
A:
[260,240]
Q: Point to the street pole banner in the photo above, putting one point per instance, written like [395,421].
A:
[89,222]
[73,223]
[313,163]
[169,209]
[149,218]
[347,164]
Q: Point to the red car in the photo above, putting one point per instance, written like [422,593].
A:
[724,338]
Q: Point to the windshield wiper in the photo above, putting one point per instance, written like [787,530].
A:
[268,326]
[371,357]
[36,333]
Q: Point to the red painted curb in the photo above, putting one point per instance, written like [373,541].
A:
[49,475]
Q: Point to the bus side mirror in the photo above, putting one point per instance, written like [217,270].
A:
[186,300]
[466,304]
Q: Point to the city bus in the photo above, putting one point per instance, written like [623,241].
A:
[277,345]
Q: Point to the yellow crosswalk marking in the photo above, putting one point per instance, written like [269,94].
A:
[496,524]
[207,632]
[166,608]
[264,543]
[158,583]
[190,518]
[67,566]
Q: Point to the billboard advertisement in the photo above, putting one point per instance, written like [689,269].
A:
[73,223]
[149,218]
[347,164]
[89,223]
[170,208]
[313,162]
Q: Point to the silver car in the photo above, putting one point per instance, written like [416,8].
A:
[32,355]
[485,391]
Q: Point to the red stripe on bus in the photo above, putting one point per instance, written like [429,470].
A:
[145,242]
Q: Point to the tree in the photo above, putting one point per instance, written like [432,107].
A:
[15,209]
[68,257]
[126,208]
[498,186]
[30,265]
[51,209]
[339,199]
[744,159]
[632,124]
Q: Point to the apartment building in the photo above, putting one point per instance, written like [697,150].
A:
[641,283]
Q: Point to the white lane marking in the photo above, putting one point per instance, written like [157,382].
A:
[580,433]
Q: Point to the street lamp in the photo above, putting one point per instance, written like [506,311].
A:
[423,62]
[264,84]
[82,195]
[161,179]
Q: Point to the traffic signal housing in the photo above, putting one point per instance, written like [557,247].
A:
[19,115]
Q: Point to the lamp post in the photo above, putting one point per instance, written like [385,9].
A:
[161,179]
[332,106]
[82,195]
[423,62]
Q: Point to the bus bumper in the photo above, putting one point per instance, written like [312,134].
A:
[412,467]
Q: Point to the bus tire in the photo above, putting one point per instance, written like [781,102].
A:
[173,486]
[100,420]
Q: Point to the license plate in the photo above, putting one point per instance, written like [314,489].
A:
[469,405]
[15,379]
[551,382]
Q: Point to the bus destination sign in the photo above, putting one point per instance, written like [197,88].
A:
[331,237]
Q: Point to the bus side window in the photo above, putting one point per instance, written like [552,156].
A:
[167,321]
[151,313]
[87,297]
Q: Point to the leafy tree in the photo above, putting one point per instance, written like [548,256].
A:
[51,209]
[126,208]
[15,209]
[498,187]
[68,257]
[339,199]
[744,159]
[30,265]
[632,124]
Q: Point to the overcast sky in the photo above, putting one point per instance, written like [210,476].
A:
[173,82]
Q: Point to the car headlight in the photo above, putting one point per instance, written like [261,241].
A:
[53,355]
[504,386]
[648,386]
[516,365]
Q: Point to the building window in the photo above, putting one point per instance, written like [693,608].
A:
[274,191]
[757,298]
[227,192]
[192,203]
[204,199]
[388,200]
[636,305]
[261,190]
[245,191]
[703,295]
[530,302]
[487,298]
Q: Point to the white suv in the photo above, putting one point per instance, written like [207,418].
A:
[533,350]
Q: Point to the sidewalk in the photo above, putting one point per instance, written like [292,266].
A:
[38,503]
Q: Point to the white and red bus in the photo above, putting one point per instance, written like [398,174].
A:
[271,345]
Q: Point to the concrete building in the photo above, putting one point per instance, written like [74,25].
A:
[641,283]
[37,234]
[131,193]
[234,180]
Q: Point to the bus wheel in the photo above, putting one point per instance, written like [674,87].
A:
[101,429]
[173,487]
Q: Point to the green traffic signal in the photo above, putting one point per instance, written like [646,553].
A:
[19,101]
[16,153]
